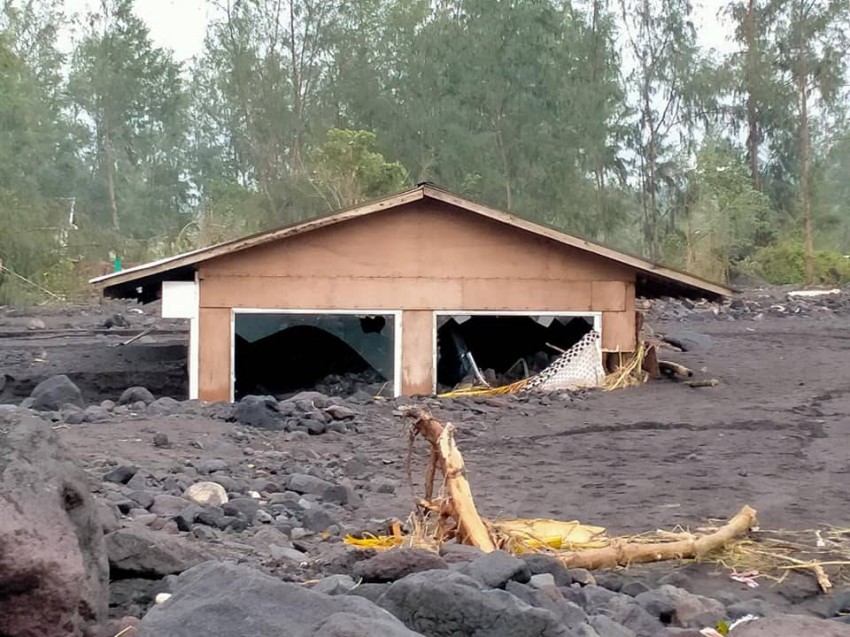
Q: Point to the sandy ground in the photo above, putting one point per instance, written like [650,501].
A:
[774,434]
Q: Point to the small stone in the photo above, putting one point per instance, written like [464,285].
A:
[317,519]
[95,414]
[335,585]
[582,576]
[495,569]
[108,405]
[395,564]
[542,579]
[339,494]
[264,517]
[121,475]
[134,395]
[206,467]
[305,483]
[164,406]
[168,506]
[243,508]
[36,324]
[203,532]
[161,598]
[339,412]
[284,553]
[207,493]
[161,441]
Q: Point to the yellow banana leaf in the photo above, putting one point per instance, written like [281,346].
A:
[553,534]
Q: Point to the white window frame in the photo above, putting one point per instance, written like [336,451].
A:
[397,335]
[596,316]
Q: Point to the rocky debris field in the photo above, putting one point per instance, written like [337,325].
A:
[754,305]
[132,509]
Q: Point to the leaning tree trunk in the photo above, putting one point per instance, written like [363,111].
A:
[110,179]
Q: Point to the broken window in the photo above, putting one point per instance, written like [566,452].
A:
[502,349]
[337,354]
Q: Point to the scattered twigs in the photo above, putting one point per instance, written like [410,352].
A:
[625,553]
[144,332]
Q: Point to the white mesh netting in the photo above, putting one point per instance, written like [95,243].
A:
[580,367]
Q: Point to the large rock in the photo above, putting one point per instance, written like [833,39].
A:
[207,493]
[446,603]
[791,626]
[678,607]
[397,563]
[140,551]
[258,411]
[495,569]
[51,393]
[305,483]
[232,601]
[135,394]
[54,574]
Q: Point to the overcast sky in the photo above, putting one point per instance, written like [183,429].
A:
[180,25]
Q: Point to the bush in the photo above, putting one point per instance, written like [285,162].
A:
[784,263]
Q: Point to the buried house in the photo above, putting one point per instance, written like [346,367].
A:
[397,291]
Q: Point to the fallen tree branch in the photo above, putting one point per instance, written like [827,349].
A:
[471,529]
[669,367]
[625,553]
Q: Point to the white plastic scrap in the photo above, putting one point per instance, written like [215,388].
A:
[161,598]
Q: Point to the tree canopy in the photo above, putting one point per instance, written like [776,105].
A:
[606,118]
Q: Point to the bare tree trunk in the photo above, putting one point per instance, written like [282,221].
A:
[110,179]
[751,74]
[805,160]
[500,143]
[805,168]
[297,96]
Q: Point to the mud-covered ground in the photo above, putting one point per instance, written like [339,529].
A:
[774,433]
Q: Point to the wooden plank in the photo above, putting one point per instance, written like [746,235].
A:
[417,354]
[608,296]
[395,293]
[618,331]
[214,357]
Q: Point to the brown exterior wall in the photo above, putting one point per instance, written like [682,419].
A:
[214,354]
[421,257]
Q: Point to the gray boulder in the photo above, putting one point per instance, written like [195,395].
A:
[305,483]
[258,411]
[495,569]
[679,608]
[51,393]
[136,394]
[446,603]
[164,406]
[54,574]
[140,551]
[227,600]
[397,563]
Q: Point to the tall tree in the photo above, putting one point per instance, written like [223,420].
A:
[812,44]
[128,94]
[664,82]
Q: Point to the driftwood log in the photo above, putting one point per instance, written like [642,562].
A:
[446,456]
[625,553]
[471,529]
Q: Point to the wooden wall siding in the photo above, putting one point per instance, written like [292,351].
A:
[214,355]
[618,328]
[417,352]
[425,255]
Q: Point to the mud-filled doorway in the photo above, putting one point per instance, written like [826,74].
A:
[338,354]
[503,348]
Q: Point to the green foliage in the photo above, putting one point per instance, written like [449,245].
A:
[723,213]
[784,262]
[347,170]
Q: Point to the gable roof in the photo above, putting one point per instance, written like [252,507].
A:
[653,276]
